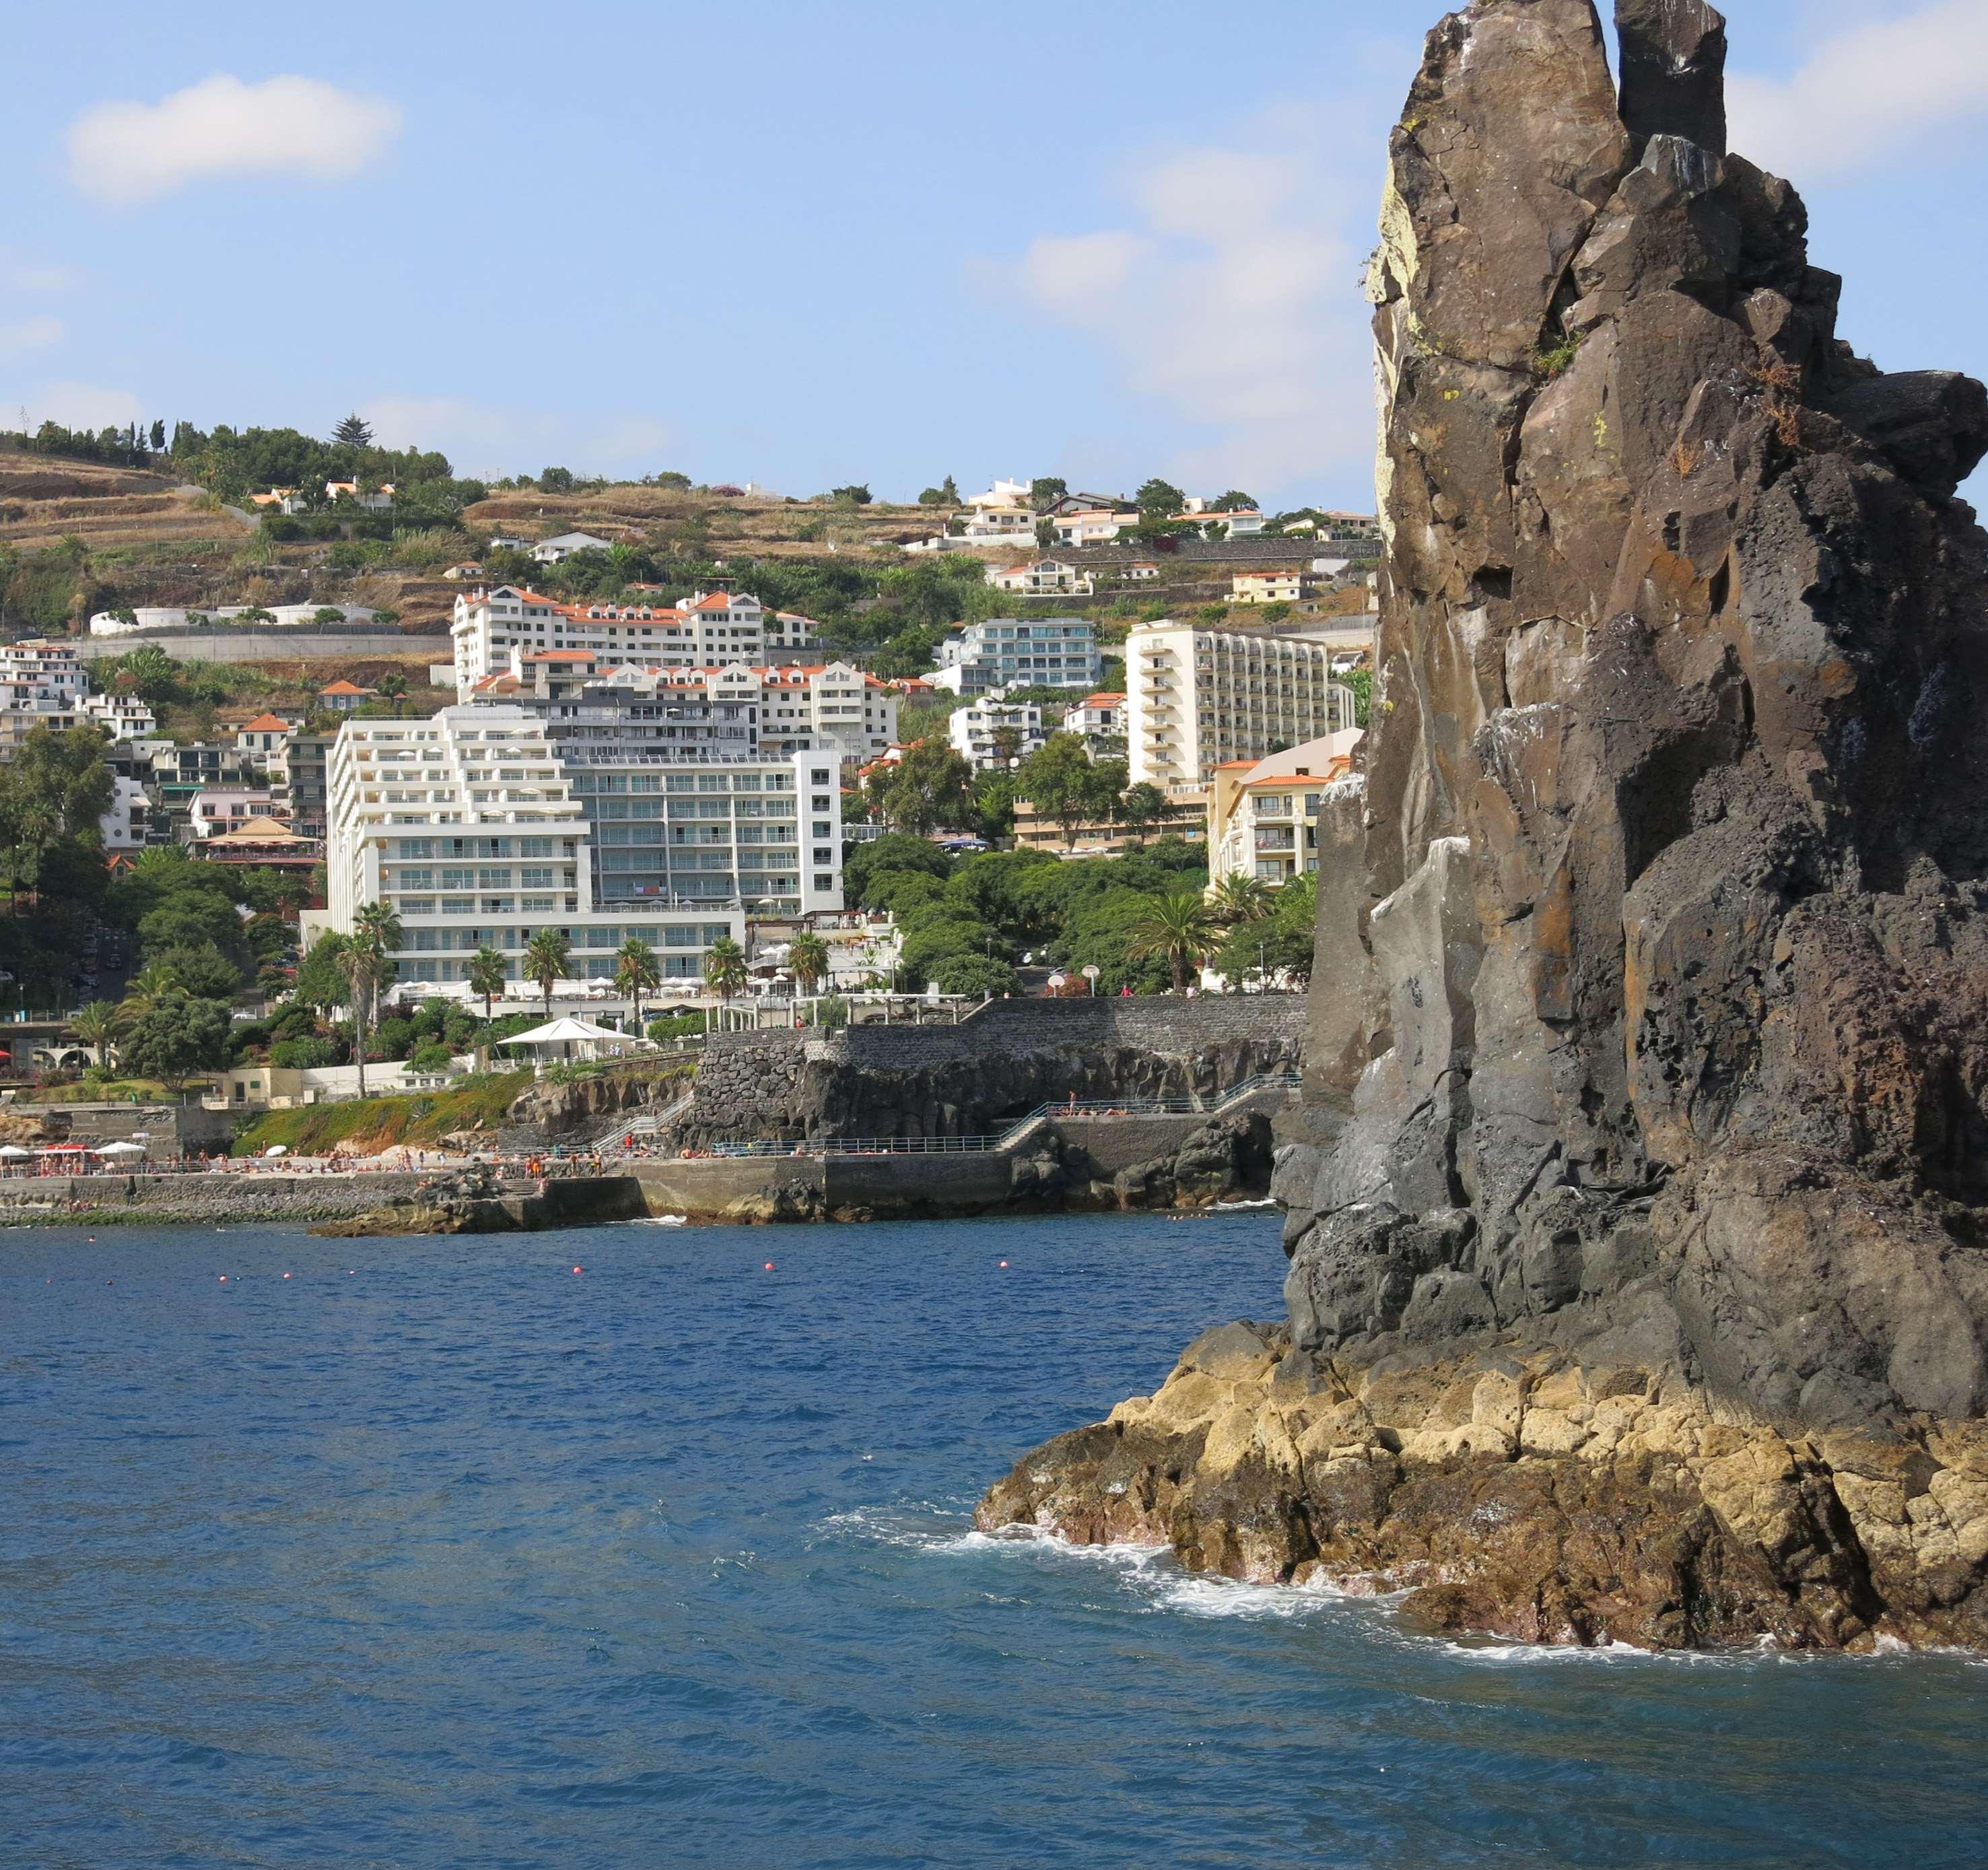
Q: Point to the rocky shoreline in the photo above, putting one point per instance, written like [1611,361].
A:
[1521,1495]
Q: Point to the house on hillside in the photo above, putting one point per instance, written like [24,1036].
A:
[343,696]
[467,570]
[992,733]
[1266,587]
[380,501]
[1100,720]
[264,735]
[554,551]
[1044,578]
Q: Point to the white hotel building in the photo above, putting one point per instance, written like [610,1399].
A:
[477,826]
[1196,699]
[705,631]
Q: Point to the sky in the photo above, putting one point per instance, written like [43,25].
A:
[804,245]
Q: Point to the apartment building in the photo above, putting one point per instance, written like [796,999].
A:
[1099,720]
[1196,699]
[830,707]
[992,733]
[1263,814]
[45,668]
[124,717]
[299,784]
[1004,652]
[706,631]
[468,827]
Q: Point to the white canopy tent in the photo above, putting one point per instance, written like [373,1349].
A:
[568,1038]
[122,1149]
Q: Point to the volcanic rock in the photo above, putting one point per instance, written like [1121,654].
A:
[1651,1055]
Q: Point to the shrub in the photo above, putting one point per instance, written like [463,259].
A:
[304,1054]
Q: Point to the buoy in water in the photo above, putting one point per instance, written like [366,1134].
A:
[1004,1264]
[769,1265]
[576,1269]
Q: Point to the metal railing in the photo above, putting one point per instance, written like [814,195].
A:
[812,1147]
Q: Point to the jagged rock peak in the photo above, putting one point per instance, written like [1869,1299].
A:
[1673,71]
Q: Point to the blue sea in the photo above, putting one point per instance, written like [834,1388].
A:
[624,1547]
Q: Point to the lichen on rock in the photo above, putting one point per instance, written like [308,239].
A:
[1648,1078]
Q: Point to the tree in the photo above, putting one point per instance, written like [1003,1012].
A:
[974,973]
[203,974]
[636,973]
[1045,489]
[892,851]
[368,966]
[927,791]
[808,956]
[393,685]
[853,496]
[1178,928]
[1158,500]
[1279,943]
[725,968]
[1233,501]
[98,1026]
[158,437]
[1061,778]
[152,988]
[548,959]
[486,976]
[1145,805]
[1237,900]
[555,480]
[321,981]
[354,432]
[179,1038]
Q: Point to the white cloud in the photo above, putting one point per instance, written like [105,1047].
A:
[1867,90]
[1232,298]
[74,405]
[488,440]
[27,334]
[124,154]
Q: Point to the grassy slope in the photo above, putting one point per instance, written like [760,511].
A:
[376,1124]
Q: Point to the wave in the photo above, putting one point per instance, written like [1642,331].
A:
[664,1221]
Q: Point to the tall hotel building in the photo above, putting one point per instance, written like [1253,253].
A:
[1196,699]
[477,826]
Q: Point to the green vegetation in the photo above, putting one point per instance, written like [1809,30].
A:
[423,1121]
[1278,941]
[965,924]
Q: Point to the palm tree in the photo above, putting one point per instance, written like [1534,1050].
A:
[486,976]
[548,956]
[635,973]
[724,966]
[1179,927]
[368,966]
[98,1026]
[1239,898]
[808,959]
[360,966]
[152,987]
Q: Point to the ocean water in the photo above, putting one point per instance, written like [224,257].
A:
[619,1547]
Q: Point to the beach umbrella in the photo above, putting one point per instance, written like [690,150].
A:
[122,1149]
[12,1152]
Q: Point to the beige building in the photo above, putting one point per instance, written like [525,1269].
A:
[1267,587]
[1263,814]
[1196,699]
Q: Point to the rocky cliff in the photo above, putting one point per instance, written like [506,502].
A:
[1638,1288]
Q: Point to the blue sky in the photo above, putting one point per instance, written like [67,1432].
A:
[804,244]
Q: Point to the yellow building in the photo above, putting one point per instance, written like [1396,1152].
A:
[1263,814]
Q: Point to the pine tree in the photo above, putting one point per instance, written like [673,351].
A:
[354,432]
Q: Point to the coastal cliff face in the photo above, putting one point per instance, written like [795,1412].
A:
[1638,1288]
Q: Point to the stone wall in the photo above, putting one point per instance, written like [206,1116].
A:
[974,1079]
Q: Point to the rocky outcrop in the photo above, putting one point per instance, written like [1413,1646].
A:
[1225,1159]
[470,1202]
[1651,1037]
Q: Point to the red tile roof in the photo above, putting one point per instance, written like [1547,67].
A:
[343,687]
[267,724]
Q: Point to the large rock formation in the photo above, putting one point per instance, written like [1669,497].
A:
[1658,1119]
